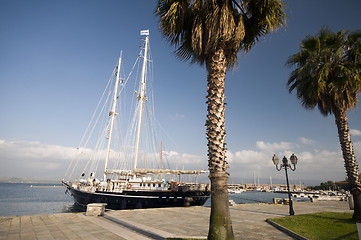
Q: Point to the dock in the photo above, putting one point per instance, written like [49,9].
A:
[248,221]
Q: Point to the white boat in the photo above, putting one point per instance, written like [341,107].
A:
[300,195]
[133,182]
[330,196]
[236,190]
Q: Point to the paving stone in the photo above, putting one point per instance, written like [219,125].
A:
[248,222]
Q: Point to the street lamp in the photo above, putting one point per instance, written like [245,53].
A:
[286,165]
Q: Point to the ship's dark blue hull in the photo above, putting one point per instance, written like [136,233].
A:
[141,199]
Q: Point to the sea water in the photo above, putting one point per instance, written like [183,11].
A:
[18,199]
[257,197]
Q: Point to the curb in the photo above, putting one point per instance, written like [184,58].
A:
[286,231]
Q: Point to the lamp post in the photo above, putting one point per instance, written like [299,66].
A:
[286,165]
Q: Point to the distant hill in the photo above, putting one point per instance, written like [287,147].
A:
[21,180]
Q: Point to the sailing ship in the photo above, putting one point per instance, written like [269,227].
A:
[126,187]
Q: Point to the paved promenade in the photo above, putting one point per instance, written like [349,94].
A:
[248,223]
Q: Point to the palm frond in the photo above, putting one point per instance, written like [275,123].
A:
[173,18]
[261,17]
[209,25]
[184,52]
[327,71]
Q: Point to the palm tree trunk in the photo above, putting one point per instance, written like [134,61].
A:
[350,160]
[220,225]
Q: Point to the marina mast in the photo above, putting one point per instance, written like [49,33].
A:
[112,114]
[141,95]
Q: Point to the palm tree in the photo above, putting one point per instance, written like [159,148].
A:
[212,32]
[327,75]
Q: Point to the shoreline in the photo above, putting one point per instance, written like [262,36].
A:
[30,182]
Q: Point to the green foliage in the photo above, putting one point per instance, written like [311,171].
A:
[327,71]
[323,225]
[201,27]
[329,185]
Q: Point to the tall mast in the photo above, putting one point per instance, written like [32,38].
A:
[161,159]
[141,96]
[112,114]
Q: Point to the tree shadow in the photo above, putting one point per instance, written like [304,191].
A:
[346,236]
[341,220]
[74,208]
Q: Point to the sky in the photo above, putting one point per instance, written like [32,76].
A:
[56,56]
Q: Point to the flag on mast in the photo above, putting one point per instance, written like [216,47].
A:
[144,32]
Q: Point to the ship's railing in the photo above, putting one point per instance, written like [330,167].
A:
[194,187]
[167,171]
